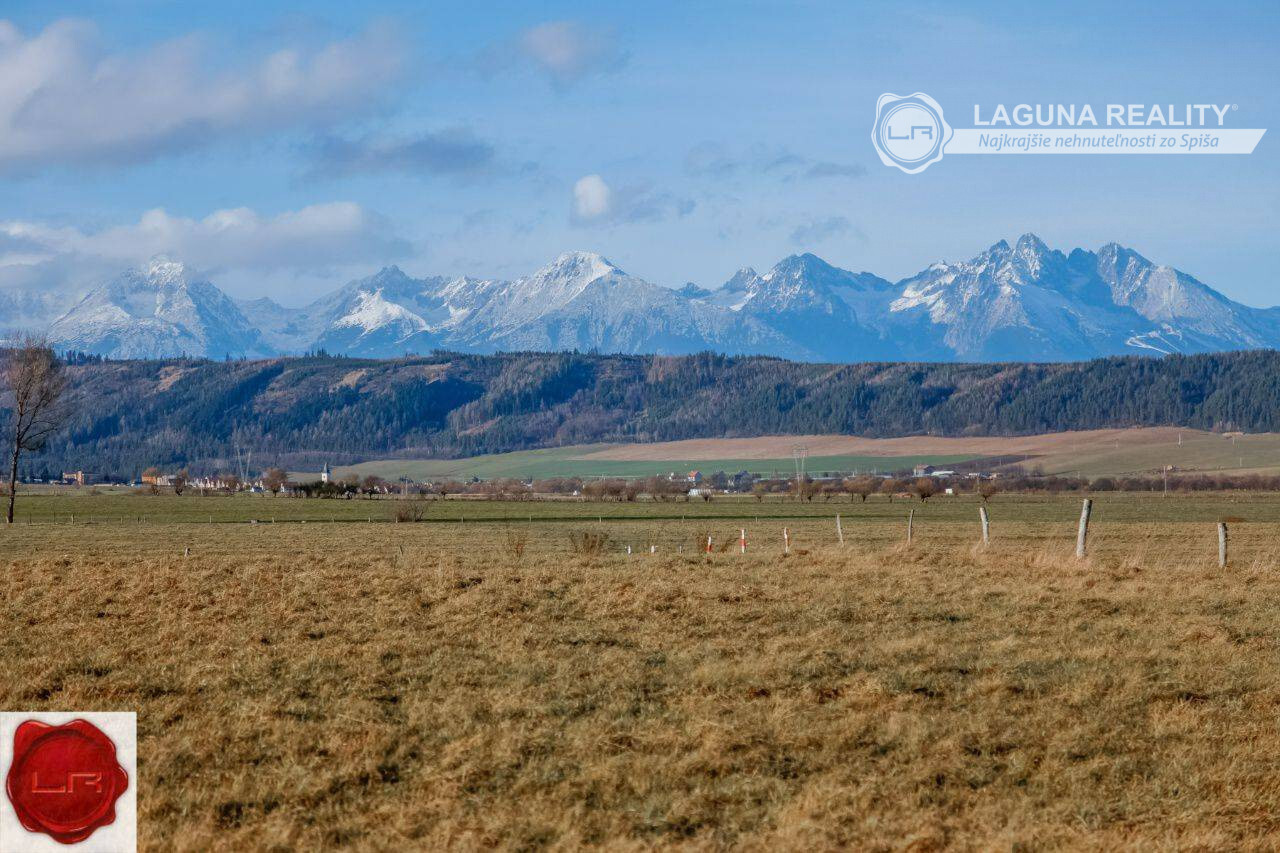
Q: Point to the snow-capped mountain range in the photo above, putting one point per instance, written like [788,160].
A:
[1024,302]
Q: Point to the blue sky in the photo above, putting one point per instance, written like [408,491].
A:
[285,148]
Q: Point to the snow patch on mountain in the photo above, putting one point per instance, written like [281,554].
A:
[373,312]
[1024,301]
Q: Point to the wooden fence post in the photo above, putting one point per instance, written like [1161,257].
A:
[911,518]
[839,530]
[986,525]
[786,541]
[1222,544]
[1082,534]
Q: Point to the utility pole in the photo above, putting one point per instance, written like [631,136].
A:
[800,452]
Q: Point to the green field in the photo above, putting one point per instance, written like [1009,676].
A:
[73,507]
[566,462]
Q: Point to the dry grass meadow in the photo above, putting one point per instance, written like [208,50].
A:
[427,686]
[1092,453]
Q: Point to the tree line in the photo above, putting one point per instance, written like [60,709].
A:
[297,413]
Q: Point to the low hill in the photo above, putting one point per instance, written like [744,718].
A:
[300,412]
[1089,453]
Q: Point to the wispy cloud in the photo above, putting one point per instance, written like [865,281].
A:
[820,230]
[709,159]
[455,152]
[311,238]
[825,169]
[712,160]
[65,99]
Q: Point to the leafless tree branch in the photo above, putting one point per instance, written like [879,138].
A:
[32,385]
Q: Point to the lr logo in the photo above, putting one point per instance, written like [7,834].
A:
[68,784]
[64,781]
[910,132]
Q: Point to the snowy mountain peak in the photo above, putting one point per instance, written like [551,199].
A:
[1033,257]
[798,265]
[1113,248]
[583,266]
[1025,302]
[372,312]
[162,271]
[388,274]
[157,312]
[740,280]
[1031,243]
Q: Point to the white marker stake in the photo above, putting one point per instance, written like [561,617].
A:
[986,525]
[742,540]
[1082,535]
[708,544]
[1222,545]
[911,519]
[653,549]
[786,541]
[839,531]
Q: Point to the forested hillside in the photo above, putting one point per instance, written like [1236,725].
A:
[299,412]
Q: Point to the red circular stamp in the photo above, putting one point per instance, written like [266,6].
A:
[64,780]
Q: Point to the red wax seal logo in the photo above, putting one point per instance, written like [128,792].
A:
[64,780]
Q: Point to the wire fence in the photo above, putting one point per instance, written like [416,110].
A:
[1224,539]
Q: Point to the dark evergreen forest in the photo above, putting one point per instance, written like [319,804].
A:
[295,412]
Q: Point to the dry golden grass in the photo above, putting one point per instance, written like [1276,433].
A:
[425,686]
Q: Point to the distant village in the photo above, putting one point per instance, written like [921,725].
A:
[673,485]
[1006,474]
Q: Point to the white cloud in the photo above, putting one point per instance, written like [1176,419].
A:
[595,202]
[568,51]
[592,199]
[313,238]
[63,98]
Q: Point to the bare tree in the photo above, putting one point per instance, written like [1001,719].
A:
[179,482]
[273,479]
[32,382]
[925,488]
[861,487]
[890,487]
